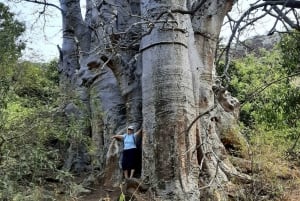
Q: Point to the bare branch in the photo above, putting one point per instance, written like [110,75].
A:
[189,12]
[262,88]
[252,21]
[45,4]
[296,17]
[236,28]
[213,179]
[199,116]
[277,19]
[285,18]
[286,3]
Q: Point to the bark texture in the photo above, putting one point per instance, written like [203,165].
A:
[150,63]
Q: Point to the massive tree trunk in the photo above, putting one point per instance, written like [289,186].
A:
[170,162]
[151,63]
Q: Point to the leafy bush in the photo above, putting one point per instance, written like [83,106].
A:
[268,89]
[27,125]
[270,100]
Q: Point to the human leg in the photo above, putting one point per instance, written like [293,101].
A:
[126,174]
[132,173]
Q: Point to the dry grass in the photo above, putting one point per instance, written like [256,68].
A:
[274,177]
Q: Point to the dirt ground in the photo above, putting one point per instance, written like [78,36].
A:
[292,195]
[113,194]
[102,194]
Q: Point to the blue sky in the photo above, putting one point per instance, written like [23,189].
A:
[43,32]
[43,35]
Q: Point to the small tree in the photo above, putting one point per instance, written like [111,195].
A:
[10,31]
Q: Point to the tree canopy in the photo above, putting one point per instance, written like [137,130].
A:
[10,31]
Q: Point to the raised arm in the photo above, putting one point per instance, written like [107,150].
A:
[139,132]
[118,137]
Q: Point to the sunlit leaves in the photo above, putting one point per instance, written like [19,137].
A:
[33,81]
[290,48]
[267,87]
[251,78]
[28,96]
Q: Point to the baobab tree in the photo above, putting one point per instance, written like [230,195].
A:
[151,64]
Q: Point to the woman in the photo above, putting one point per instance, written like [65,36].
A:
[129,161]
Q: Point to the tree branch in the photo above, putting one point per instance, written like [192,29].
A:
[45,3]
[285,18]
[234,30]
[189,12]
[262,88]
[286,3]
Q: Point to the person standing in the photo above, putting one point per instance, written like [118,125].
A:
[130,152]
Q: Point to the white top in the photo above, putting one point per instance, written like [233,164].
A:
[129,141]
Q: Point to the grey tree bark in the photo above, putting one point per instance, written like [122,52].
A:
[150,63]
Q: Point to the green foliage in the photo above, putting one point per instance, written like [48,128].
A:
[34,136]
[271,172]
[122,197]
[35,83]
[27,128]
[10,31]
[28,100]
[290,48]
[50,71]
[266,87]
[262,101]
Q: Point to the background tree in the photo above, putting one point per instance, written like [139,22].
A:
[290,50]
[28,97]
[10,31]
[264,84]
[267,87]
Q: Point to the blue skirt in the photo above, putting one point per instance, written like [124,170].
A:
[129,160]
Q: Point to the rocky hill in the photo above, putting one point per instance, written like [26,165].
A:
[255,44]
